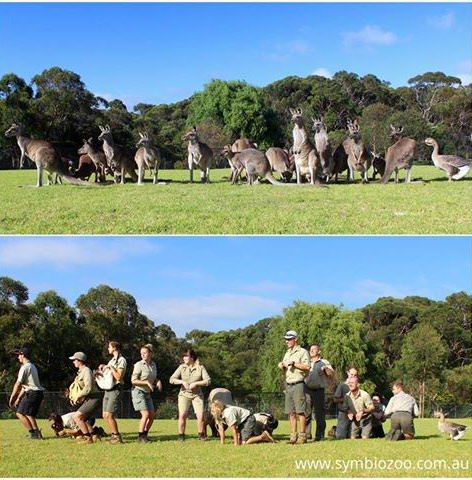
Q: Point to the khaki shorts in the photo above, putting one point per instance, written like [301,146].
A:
[196,402]
[295,398]
[111,401]
[403,421]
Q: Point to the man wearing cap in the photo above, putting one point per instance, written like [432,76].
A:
[27,393]
[296,365]
[86,394]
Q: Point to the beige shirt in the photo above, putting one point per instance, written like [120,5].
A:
[85,382]
[29,378]
[120,364]
[296,354]
[235,415]
[402,402]
[357,403]
[190,374]
[143,371]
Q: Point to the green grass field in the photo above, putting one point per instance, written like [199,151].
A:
[433,207]
[430,455]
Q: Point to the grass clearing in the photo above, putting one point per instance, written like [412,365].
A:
[429,455]
[433,207]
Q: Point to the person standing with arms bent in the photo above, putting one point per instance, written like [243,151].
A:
[191,376]
[27,393]
[296,365]
[316,382]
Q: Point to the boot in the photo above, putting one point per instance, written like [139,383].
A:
[293,438]
[301,438]
[142,438]
[115,439]
[181,437]
[86,439]
[202,437]
[34,435]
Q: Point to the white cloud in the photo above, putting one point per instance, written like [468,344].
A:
[285,51]
[323,72]
[71,252]
[211,312]
[369,35]
[443,22]
[465,72]
[269,286]
[368,290]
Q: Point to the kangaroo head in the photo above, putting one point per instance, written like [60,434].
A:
[353,128]
[192,135]
[15,130]
[105,133]
[86,147]
[143,140]
[297,116]
[318,124]
[226,150]
[395,132]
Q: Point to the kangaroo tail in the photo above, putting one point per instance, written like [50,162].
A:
[78,181]
[272,180]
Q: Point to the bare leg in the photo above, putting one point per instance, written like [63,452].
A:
[200,424]
[150,420]
[264,437]
[293,423]
[24,421]
[111,422]
[182,422]
[144,420]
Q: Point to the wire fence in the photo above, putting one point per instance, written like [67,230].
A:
[166,405]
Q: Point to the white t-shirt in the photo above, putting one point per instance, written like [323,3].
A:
[68,421]
[29,378]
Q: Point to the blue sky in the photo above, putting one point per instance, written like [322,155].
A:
[161,53]
[218,283]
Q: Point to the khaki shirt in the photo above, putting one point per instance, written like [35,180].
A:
[85,382]
[29,378]
[402,402]
[190,374]
[120,364]
[358,402]
[143,371]
[235,415]
[297,355]
[221,394]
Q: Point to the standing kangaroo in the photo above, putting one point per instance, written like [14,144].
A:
[199,154]
[97,156]
[306,158]
[399,155]
[44,155]
[147,156]
[323,148]
[119,159]
[358,157]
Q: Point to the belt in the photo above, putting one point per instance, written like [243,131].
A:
[296,383]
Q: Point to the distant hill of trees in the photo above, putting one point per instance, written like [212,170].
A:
[56,105]
[425,342]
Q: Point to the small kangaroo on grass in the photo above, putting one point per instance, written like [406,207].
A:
[199,154]
[147,156]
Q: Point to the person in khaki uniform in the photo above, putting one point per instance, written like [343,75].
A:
[144,379]
[296,365]
[191,376]
[359,410]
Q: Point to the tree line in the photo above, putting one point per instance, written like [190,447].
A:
[56,105]
[425,342]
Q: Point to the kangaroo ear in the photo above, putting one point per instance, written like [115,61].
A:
[292,111]
[101,128]
[194,128]
[108,128]
[83,140]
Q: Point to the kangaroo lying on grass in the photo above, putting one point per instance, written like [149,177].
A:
[44,155]
[119,159]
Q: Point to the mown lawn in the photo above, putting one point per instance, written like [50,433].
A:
[433,207]
[430,455]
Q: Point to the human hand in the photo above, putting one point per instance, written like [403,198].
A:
[150,385]
[186,386]
[281,365]
[159,385]
[359,416]
[191,386]
[350,415]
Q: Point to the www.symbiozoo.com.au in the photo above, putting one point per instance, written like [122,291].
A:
[346,465]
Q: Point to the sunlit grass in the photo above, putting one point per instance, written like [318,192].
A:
[435,206]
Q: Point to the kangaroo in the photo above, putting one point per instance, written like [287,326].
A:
[44,155]
[323,148]
[147,156]
[456,167]
[119,159]
[280,162]
[199,154]
[399,155]
[256,164]
[85,169]
[358,157]
[306,158]
[97,156]
[378,165]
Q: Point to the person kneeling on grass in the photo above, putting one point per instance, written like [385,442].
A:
[64,425]
[241,422]
[360,408]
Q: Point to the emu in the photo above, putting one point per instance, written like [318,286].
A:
[199,154]
[147,156]
[119,159]
[455,167]
[43,154]
[399,155]
[306,158]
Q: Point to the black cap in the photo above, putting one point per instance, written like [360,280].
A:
[26,351]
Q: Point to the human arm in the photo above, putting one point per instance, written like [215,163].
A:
[136,378]
[416,412]
[327,369]
[204,382]
[389,409]
[176,378]
[221,431]
[235,432]
[16,390]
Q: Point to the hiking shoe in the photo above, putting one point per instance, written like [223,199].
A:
[143,439]
[293,439]
[181,437]
[116,439]
[86,439]
[202,437]
[301,438]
